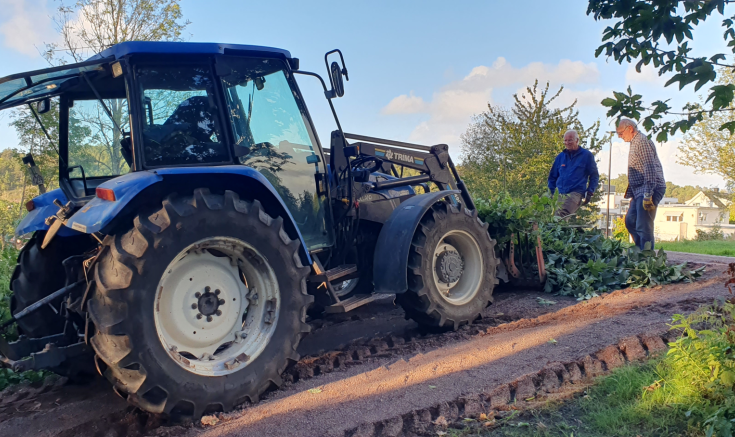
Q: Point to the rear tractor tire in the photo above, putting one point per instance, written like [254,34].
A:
[451,269]
[40,272]
[200,306]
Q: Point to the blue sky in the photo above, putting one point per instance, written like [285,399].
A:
[418,70]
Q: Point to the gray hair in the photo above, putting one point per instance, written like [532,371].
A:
[576,135]
[625,122]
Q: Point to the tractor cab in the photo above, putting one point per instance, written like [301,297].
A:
[152,107]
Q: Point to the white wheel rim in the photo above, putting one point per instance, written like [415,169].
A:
[216,306]
[464,289]
[345,287]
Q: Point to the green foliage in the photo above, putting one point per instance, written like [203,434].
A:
[8,377]
[8,257]
[707,147]
[579,262]
[658,34]
[506,215]
[620,183]
[713,234]
[620,232]
[704,358]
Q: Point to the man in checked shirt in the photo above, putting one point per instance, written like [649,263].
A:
[646,184]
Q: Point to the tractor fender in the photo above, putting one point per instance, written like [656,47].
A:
[99,213]
[43,208]
[390,265]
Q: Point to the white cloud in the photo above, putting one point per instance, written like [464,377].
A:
[25,24]
[648,75]
[405,104]
[590,97]
[450,109]
[667,153]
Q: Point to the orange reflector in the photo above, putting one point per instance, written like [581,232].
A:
[106,194]
[30,206]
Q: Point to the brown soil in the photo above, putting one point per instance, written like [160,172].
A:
[387,373]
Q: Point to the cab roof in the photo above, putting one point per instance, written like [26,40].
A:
[191,48]
[30,86]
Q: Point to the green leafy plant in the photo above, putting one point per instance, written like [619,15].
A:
[579,262]
[8,258]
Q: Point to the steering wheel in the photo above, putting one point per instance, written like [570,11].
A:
[376,166]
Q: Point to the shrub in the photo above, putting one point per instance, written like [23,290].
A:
[8,258]
[713,234]
[620,232]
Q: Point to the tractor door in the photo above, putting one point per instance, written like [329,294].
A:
[271,124]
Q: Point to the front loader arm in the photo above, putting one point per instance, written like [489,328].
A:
[433,162]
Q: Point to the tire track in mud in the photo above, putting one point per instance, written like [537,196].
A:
[377,331]
[97,411]
[405,393]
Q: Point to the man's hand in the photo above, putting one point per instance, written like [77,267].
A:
[587,198]
[648,204]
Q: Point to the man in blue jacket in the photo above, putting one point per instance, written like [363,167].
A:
[574,174]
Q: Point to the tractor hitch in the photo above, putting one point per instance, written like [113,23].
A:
[42,353]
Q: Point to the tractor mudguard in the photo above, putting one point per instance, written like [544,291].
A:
[96,214]
[394,242]
[44,208]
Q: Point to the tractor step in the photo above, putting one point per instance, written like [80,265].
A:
[340,272]
[352,303]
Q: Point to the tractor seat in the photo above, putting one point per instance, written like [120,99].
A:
[195,112]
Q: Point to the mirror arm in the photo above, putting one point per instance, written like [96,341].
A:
[327,93]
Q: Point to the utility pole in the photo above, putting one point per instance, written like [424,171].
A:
[609,177]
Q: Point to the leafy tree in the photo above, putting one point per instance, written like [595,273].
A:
[658,33]
[620,183]
[511,150]
[707,148]
[87,27]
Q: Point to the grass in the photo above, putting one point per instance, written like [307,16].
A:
[712,247]
[635,400]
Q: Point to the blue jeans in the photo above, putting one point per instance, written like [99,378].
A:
[639,222]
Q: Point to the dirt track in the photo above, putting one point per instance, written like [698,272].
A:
[399,371]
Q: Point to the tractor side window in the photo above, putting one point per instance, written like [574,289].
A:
[267,119]
[181,124]
[95,143]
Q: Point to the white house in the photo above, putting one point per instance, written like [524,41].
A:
[680,221]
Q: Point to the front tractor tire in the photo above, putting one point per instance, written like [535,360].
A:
[451,269]
[200,306]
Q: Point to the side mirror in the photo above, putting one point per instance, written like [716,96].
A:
[336,73]
[43,106]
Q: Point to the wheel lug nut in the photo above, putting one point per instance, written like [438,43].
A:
[209,318]
[221,302]
[199,316]
[197,295]
[217,291]
[206,289]
[193,306]
[219,313]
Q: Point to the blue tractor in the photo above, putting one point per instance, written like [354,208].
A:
[199,219]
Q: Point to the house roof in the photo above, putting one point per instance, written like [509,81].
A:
[712,196]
